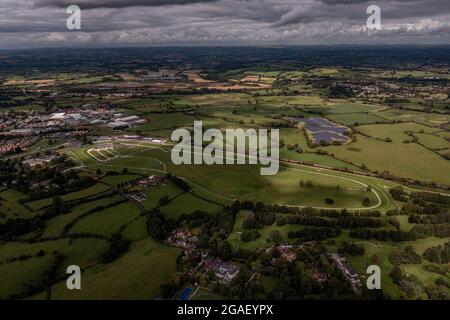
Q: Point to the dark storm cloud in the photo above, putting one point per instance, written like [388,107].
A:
[30,23]
[352,10]
[118,4]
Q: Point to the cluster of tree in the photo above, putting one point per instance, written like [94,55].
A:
[117,246]
[9,169]
[194,219]
[438,254]
[58,207]
[258,219]
[17,227]
[383,235]
[392,212]
[181,183]
[421,207]
[295,148]
[431,197]
[338,91]
[437,290]
[222,249]
[214,228]
[441,230]
[22,257]
[158,226]
[366,202]
[312,233]
[60,184]
[351,249]
[406,256]
[346,222]
[290,280]
[443,269]
[306,184]
[47,278]
[164,200]
[394,222]
[417,232]
[254,206]
[396,100]
[309,211]
[399,194]
[430,219]
[408,283]
[52,173]
[250,235]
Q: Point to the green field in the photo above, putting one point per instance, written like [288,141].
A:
[397,132]
[405,160]
[138,274]
[154,194]
[10,208]
[188,203]
[431,119]
[16,275]
[84,193]
[136,230]
[108,221]
[351,119]
[432,141]
[245,182]
[346,108]
[54,227]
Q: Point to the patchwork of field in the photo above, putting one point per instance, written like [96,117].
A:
[405,160]
[379,132]
[108,221]
[430,119]
[55,226]
[397,132]
[433,141]
[338,107]
[82,194]
[354,119]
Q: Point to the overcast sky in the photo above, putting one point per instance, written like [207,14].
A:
[42,23]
